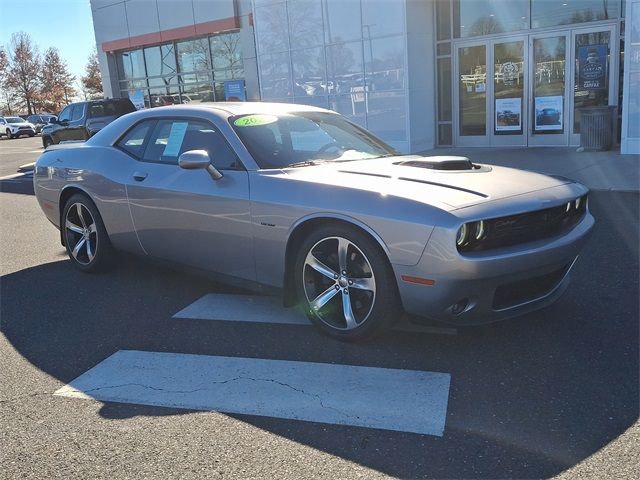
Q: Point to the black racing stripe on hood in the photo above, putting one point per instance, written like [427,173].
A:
[444,185]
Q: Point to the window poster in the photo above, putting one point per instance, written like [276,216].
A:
[234,91]
[508,114]
[548,113]
[137,98]
[592,67]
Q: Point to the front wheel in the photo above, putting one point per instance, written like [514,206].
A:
[346,283]
[47,142]
[85,236]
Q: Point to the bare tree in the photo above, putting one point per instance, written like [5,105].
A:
[56,81]
[24,68]
[6,95]
[92,81]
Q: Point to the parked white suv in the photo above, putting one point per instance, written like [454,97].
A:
[14,127]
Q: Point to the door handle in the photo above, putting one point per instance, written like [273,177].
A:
[139,176]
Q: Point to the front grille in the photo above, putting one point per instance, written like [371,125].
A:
[516,293]
[24,128]
[528,227]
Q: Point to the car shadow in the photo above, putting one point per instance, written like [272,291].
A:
[529,397]
[22,184]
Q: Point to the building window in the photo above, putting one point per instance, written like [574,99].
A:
[473,18]
[226,56]
[193,55]
[160,60]
[549,13]
[131,65]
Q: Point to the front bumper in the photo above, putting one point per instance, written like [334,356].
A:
[485,287]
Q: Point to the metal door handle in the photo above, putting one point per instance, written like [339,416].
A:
[139,176]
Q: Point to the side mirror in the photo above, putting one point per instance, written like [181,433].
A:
[63,123]
[196,160]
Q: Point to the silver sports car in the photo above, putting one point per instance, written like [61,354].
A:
[300,199]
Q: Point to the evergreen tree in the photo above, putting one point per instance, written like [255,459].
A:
[92,81]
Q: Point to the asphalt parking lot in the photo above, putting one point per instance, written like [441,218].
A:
[554,393]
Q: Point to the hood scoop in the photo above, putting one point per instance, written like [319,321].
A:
[440,163]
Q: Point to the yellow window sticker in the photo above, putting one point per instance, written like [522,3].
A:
[255,120]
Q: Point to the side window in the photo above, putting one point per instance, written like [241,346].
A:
[171,138]
[78,112]
[133,141]
[65,116]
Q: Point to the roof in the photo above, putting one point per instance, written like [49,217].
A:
[239,108]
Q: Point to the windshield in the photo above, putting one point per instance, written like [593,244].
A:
[14,120]
[303,138]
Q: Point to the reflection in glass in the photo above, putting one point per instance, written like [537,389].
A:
[591,73]
[472,87]
[272,31]
[226,54]
[160,60]
[344,66]
[350,106]
[485,17]
[384,63]
[443,19]
[509,87]
[547,13]
[386,116]
[340,17]
[193,55]
[305,23]
[309,76]
[167,95]
[382,17]
[549,84]
[444,89]
[131,64]
[275,76]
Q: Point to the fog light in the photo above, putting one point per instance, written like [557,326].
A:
[460,306]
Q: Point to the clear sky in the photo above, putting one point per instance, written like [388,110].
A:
[64,24]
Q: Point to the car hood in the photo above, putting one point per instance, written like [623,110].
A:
[411,177]
[21,124]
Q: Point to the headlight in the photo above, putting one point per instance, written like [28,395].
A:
[471,232]
[463,233]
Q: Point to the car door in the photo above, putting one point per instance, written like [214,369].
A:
[59,132]
[76,129]
[185,215]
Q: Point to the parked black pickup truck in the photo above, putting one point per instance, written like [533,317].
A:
[79,121]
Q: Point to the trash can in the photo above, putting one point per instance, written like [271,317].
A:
[596,128]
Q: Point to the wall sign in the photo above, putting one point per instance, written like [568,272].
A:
[548,113]
[508,114]
[510,72]
[592,67]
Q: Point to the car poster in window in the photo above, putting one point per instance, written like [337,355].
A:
[592,67]
[234,91]
[548,113]
[508,114]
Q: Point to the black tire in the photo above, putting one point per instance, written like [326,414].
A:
[373,311]
[100,246]
[32,135]
[47,142]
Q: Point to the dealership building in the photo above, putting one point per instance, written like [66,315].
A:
[417,73]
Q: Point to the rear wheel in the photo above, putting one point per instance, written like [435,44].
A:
[85,237]
[345,283]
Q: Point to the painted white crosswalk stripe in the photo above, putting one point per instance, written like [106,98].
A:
[389,399]
[263,309]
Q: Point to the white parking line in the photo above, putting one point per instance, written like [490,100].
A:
[389,399]
[262,309]
[18,176]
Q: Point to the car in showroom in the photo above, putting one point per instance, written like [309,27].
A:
[81,120]
[301,200]
[15,127]
[41,121]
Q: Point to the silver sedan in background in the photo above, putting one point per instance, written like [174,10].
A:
[300,199]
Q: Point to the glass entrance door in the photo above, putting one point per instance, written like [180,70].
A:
[548,100]
[594,66]
[471,95]
[508,107]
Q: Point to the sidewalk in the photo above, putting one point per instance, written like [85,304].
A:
[597,170]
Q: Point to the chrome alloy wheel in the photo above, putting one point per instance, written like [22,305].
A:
[339,283]
[81,233]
